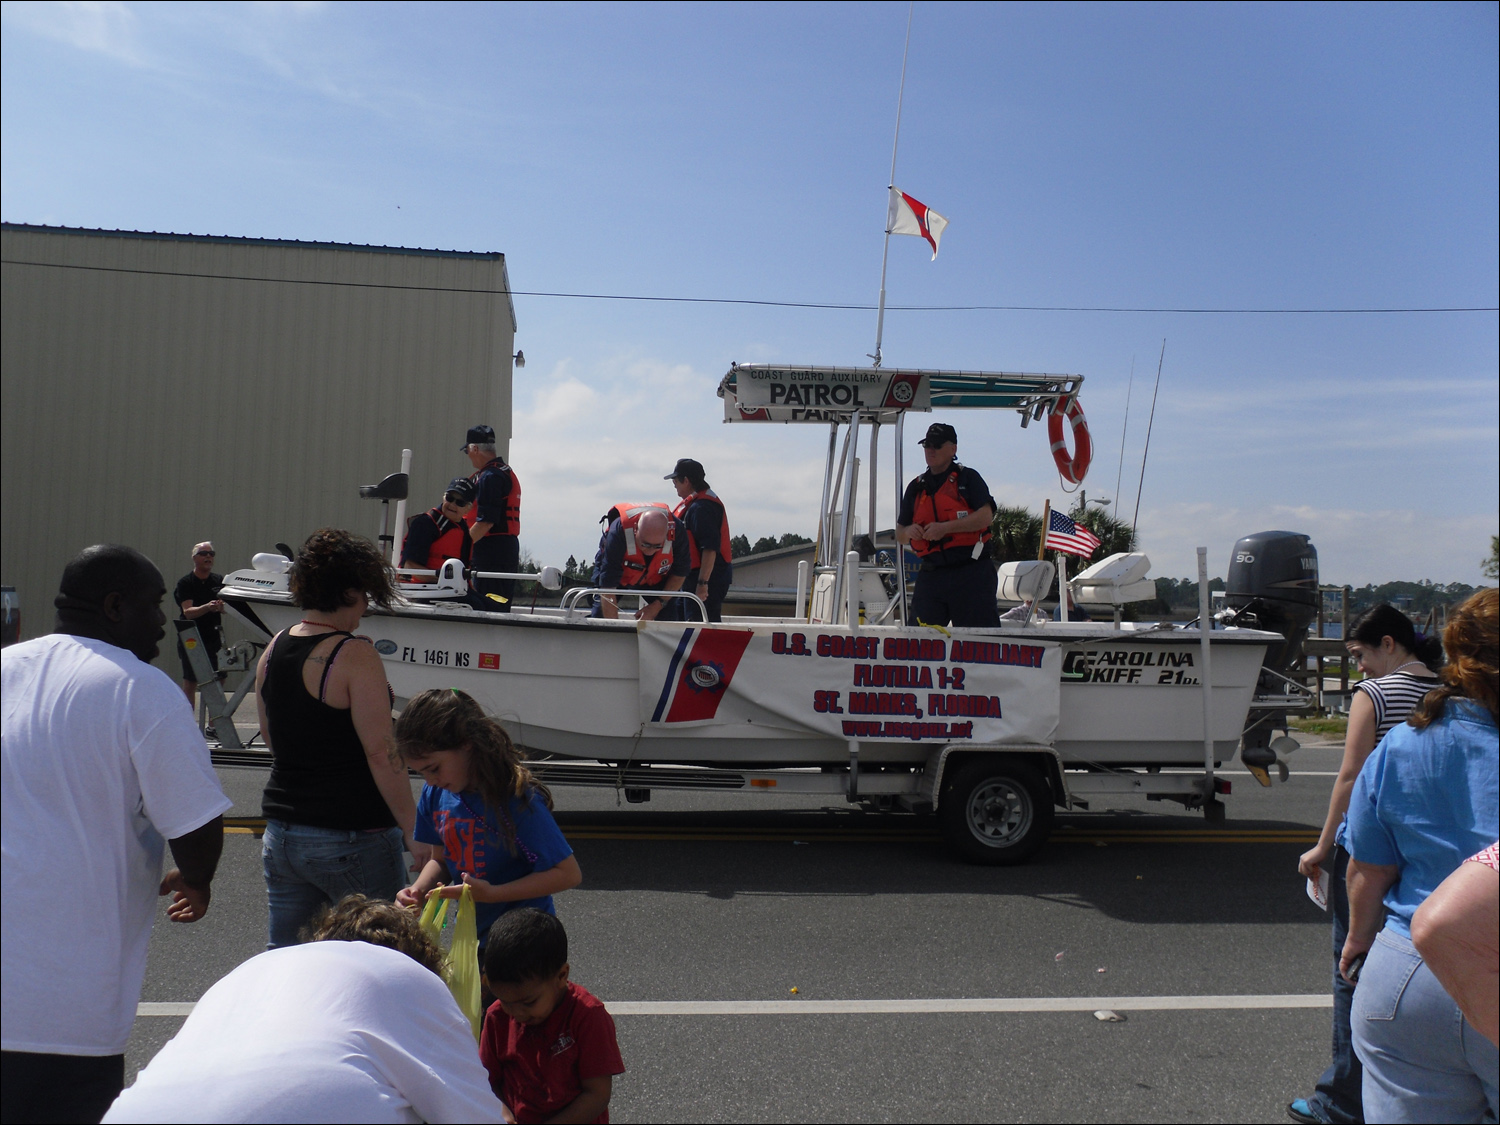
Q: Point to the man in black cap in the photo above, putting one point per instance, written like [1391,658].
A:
[440,533]
[709,554]
[495,521]
[945,519]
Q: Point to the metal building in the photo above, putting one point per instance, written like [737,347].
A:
[159,389]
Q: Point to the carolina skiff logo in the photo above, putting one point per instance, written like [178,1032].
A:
[705,676]
[385,647]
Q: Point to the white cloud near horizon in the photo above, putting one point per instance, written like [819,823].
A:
[588,436]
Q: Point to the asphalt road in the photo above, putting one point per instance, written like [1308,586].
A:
[744,898]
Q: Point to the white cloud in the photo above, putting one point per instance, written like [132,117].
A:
[109,29]
[587,436]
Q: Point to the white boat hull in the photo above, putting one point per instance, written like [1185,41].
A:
[571,687]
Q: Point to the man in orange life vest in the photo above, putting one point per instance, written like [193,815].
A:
[440,534]
[644,547]
[709,555]
[945,520]
[495,522]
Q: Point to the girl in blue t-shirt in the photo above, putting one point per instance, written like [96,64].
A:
[492,819]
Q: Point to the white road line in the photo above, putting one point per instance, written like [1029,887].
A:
[908,1007]
[165,1009]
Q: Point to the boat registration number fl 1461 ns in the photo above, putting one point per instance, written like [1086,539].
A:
[438,657]
[1154,666]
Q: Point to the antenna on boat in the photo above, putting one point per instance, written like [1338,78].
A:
[895,144]
[1147,451]
[1120,469]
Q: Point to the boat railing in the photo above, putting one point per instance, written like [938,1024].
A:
[578,593]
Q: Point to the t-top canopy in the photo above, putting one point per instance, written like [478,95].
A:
[769,392]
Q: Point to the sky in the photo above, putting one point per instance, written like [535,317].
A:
[1285,157]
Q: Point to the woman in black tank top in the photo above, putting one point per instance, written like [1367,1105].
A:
[338,805]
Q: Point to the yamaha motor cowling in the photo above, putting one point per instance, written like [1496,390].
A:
[1272,585]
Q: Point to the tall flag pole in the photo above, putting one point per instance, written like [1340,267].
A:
[895,144]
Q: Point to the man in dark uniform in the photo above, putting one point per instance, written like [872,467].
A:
[495,522]
[945,519]
[440,533]
[709,556]
[643,548]
[197,598]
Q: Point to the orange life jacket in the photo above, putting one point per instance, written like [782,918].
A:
[640,570]
[511,523]
[940,507]
[695,552]
[451,544]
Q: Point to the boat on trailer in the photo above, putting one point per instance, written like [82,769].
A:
[991,729]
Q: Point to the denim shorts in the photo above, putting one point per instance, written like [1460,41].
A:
[307,868]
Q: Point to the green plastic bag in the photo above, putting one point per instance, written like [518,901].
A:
[450,923]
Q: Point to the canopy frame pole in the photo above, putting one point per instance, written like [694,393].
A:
[895,146]
[873,479]
[900,486]
[851,461]
[828,486]
[829,558]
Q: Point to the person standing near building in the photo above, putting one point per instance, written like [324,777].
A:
[945,519]
[495,522]
[197,598]
[710,567]
[103,768]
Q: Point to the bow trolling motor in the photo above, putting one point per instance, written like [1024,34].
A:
[1273,585]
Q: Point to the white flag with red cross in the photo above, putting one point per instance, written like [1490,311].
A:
[909,216]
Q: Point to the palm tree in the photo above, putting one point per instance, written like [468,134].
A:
[1017,533]
[1115,535]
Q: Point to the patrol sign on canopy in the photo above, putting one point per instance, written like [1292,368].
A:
[767,392]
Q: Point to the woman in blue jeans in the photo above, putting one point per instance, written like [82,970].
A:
[1400,668]
[1425,801]
[338,805]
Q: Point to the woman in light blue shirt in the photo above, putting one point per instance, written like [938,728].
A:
[1425,801]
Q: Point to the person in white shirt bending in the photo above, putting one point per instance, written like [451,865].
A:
[101,762]
[356,1024]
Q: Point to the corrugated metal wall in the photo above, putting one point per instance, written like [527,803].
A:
[159,390]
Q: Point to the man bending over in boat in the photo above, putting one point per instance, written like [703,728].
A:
[439,534]
[945,520]
[643,548]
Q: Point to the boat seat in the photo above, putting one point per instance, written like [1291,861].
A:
[1029,580]
[1116,580]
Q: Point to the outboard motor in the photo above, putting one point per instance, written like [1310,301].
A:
[1272,585]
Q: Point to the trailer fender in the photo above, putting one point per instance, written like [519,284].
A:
[1044,759]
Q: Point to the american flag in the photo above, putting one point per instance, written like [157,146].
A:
[1068,537]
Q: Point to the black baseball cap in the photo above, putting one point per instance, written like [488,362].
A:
[686,467]
[939,434]
[478,435]
[463,486]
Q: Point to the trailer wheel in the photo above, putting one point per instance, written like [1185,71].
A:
[996,812]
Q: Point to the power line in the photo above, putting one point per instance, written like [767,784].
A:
[833,305]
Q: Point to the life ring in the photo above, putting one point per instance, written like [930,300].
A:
[1072,469]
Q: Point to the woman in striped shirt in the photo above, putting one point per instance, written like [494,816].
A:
[1399,666]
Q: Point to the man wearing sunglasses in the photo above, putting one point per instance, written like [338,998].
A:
[439,534]
[197,596]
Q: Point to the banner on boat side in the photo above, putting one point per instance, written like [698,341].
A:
[866,686]
[825,389]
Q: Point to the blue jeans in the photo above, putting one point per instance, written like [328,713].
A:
[307,868]
[1422,1060]
[1337,1098]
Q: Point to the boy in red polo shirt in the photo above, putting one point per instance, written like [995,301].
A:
[548,1044]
